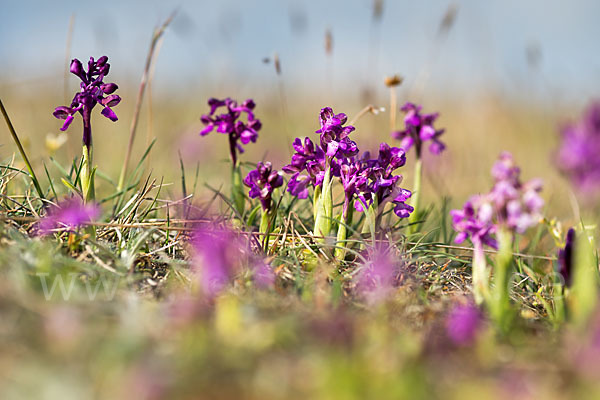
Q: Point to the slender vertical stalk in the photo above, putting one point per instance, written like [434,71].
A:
[393,107]
[480,275]
[140,97]
[325,209]
[500,300]
[414,216]
[342,233]
[87,175]
[237,190]
[316,204]
[369,225]
[583,296]
[13,133]
[267,221]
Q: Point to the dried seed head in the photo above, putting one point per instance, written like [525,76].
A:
[395,80]
[377,9]
[277,63]
[328,42]
[448,19]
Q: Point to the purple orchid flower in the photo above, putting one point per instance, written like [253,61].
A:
[418,130]
[69,214]
[262,181]
[578,153]
[334,135]
[93,91]
[307,167]
[383,185]
[229,123]
[510,204]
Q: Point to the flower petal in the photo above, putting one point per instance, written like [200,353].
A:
[110,114]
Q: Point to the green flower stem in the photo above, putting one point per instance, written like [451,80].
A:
[342,233]
[325,209]
[316,204]
[369,226]
[481,276]
[500,300]
[237,190]
[87,175]
[267,221]
[13,133]
[414,216]
[583,296]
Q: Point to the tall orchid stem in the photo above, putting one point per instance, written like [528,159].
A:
[583,298]
[325,208]
[342,233]
[393,106]
[237,190]
[370,223]
[13,133]
[87,169]
[500,300]
[316,200]
[267,221]
[414,216]
[481,276]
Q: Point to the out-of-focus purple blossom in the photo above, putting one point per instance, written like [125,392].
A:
[335,139]
[463,323]
[220,255]
[475,221]
[509,204]
[584,350]
[419,129]
[579,149]
[565,258]
[69,214]
[378,276]
[229,123]
[93,91]
[262,181]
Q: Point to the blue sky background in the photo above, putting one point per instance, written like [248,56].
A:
[215,43]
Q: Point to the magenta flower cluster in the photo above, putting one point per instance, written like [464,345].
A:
[262,181]
[364,180]
[93,91]
[229,123]
[335,139]
[373,180]
[220,255]
[68,215]
[510,205]
[307,167]
[418,129]
[578,154]
[463,323]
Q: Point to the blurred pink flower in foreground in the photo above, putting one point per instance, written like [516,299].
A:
[463,323]
[69,214]
[220,255]
[377,279]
